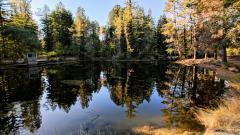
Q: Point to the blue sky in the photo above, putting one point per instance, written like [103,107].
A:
[98,9]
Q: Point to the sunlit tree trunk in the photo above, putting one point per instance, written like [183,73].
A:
[185,42]
[194,53]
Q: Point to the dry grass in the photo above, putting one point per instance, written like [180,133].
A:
[226,118]
[191,62]
[149,130]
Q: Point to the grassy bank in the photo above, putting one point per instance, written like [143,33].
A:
[226,118]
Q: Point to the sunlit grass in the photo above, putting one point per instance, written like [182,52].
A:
[148,130]
[225,118]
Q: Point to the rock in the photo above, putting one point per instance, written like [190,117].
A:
[233,69]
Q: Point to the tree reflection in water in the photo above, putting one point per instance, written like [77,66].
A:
[129,84]
[19,102]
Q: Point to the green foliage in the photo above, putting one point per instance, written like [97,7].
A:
[61,22]
[19,33]
[131,32]
[47,30]
[51,54]
[160,45]
[65,36]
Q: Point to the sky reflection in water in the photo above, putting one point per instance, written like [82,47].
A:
[117,97]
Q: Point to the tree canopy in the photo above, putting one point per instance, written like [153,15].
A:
[188,29]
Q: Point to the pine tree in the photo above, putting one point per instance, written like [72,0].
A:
[171,29]
[140,33]
[161,45]
[116,30]
[21,26]
[62,22]
[149,34]
[80,31]
[47,30]
[128,26]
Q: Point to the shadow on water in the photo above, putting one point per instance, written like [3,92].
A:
[172,92]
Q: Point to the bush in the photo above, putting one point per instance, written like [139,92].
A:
[232,51]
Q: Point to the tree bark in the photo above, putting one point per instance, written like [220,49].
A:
[224,54]
[224,45]
[194,53]
[206,55]
[215,54]
[185,42]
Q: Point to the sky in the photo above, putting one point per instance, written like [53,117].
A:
[98,9]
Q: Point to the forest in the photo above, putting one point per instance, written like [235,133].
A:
[187,29]
[176,73]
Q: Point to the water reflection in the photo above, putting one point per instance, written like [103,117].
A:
[19,102]
[26,96]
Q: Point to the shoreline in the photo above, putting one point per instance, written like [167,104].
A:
[224,119]
[230,72]
[72,61]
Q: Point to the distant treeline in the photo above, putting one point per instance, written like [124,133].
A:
[191,28]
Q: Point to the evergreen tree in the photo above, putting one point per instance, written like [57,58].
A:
[171,28]
[128,27]
[47,30]
[21,26]
[80,31]
[139,28]
[161,45]
[93,42]
[116,34]
[62,22]
[149,34]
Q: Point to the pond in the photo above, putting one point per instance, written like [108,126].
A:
[106,97]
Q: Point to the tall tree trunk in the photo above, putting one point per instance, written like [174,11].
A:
[224,54]
[185,42]
[216,54]
[206,55]
[224,44]
[194,53]
[195,44]
[191,40]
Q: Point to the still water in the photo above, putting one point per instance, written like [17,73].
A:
[105,97]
